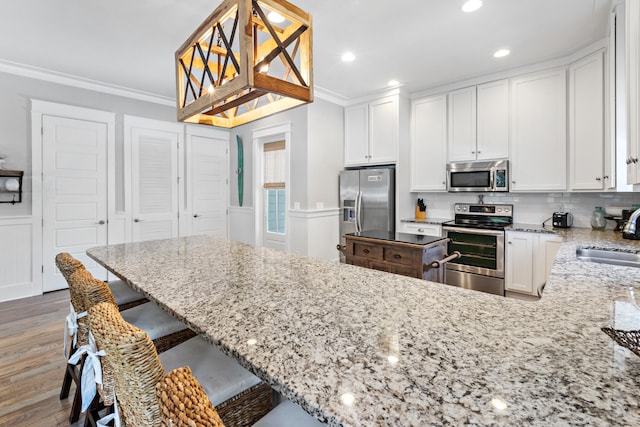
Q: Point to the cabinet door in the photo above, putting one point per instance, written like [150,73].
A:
[462,124]
[428,144]
[586,123]
[356,135]
[492,139]
[538,131]
[632,86]
[519,262]
[545,251]
[383,131]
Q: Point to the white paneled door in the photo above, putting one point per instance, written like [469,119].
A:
[154,181]
[74,208]
[207,182]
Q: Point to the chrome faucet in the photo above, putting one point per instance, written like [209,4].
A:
[630,228]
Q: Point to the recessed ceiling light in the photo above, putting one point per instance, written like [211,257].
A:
[393,83]
[500,53]
[471,5]
[348,57]
[275,17]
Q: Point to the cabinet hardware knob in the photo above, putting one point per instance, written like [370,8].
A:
[196,215]
[366,251]
[420,230]
[635,160]
[509,242]
[473,152]
[397,256]
[513,182]
[101,222]
[137,220]
[598,178]
[443,183]
[606,177]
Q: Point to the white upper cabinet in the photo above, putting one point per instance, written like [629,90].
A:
[539,131]
[632,86]
[586,124]
[479,122]
[371,132]
[493,120]
[462,124]
[428,144]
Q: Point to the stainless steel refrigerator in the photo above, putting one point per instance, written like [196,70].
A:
[367,200]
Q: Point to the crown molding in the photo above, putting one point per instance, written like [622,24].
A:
[44,74]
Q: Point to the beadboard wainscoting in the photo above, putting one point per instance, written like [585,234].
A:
[242,224]
[315,233]
[16,258]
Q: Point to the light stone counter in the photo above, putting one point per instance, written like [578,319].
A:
[409,352]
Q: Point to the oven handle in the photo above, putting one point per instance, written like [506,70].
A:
[474,231]
[440,262]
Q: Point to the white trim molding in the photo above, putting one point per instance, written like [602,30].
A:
[18,278]
[51,76]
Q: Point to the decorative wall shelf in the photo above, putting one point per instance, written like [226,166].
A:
[11,186]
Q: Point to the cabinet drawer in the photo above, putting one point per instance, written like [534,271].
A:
[422,229]
[399,255]
[365,250]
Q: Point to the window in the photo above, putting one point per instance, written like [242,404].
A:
[274,185]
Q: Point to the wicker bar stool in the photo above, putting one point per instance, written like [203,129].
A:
[165,330]
[181,400]
[124,295]
[243,409]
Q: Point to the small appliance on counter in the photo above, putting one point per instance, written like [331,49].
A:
[562,220]
[631,229]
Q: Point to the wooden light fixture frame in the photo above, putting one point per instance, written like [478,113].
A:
[219,87]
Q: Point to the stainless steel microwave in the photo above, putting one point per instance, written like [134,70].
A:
[481,176]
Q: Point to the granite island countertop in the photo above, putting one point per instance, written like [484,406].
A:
[405,351]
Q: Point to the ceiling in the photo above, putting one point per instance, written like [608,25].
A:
[420,43]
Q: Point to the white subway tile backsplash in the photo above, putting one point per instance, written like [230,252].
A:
[529,208]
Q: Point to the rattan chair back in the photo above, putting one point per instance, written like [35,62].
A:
[135,363]
[67,266]
[183,402]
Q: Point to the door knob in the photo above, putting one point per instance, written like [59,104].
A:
[137,220]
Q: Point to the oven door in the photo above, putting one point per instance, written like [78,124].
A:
[482,251]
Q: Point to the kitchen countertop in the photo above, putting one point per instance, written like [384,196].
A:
[434,221]
[358,347]
[412,239]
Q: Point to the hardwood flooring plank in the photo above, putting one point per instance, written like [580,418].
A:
[32,362]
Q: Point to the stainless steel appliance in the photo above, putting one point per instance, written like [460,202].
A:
[477,232]
[481,176]
[562,220]
[367,200]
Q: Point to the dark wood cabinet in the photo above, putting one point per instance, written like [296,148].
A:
[407,259]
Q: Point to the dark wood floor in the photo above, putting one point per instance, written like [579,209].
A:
[32,361]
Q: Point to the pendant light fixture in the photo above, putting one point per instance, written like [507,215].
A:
[239,66]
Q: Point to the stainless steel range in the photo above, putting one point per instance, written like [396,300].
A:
[477,232]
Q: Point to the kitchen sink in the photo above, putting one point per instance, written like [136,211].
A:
[604,256]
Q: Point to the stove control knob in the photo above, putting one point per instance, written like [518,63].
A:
[506,210]
[500,210]
[457,208]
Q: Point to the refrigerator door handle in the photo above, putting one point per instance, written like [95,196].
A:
[359,213]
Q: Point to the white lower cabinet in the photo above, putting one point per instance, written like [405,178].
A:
[421,229]
[528,259]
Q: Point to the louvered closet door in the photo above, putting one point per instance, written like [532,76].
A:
[154,179]
[74,199]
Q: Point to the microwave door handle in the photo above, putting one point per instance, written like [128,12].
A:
[493,179]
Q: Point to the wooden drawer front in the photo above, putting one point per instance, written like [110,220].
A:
[399,255]
[367,251]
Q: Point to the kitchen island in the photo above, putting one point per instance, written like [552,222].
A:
[400,253]
[359,347]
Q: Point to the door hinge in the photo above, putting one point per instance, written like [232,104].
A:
[41,130]
[227,181]
[42,268]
